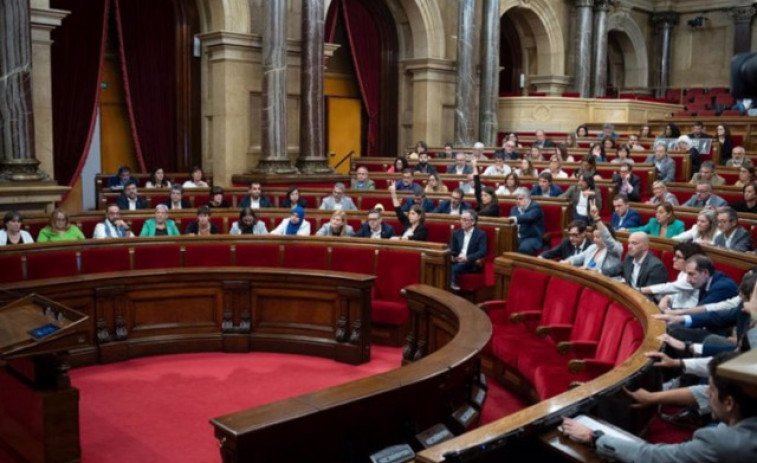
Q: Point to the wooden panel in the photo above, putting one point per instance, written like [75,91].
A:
[188,310]
[344,129]
[293,311]
[117,142]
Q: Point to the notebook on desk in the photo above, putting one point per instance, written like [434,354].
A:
[607,428]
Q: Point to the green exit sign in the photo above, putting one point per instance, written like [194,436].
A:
[104,85]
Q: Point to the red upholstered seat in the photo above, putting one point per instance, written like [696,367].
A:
[526,294]
[258,255]
[388,304]
[12,268]
[51,265]
[105,259]
[474,281]
[87,226]
[161,256]
[349,259]
[207,255]
[304,256]
[439,232]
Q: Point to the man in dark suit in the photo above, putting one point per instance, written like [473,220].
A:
[130,200]
[460,166]
[423,166]
[419,198]
[375,228]
[121,179]
[530,219]
[176,200]
[255,199]
[468,244]
[732,237]
[574,244]
[627,183]
[624,216]
[641,267]
[455,205]
[542,141]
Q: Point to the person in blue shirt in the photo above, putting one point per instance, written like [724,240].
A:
[624,216]
[406,182]
[545,186]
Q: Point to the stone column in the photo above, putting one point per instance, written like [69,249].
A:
[601,7]
[742,28]
[274,137]
[489,88]
[664,22]
[466,32]
[17,159]
[583,26]
[312,159]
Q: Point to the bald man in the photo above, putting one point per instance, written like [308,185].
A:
[641,267]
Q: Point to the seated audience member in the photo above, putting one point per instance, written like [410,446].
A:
[671,131]
[412,221]
[526,169]
[399,165]
[421,147]
[623,155]
[338,201]
[588,166]
[499,167]
[513,137]
[732,236]
[605,252]
[707,173]
[294,225]
[435,185]
[679,294]
[508,151]
[627,183]
[460,166]
[406,183]
[161,225]
[468,185]
[202,226]
[512,183]
[623,216]
[60,229]
[749,205]
[641,267]
[542,141]
[176,199]
[453,206]
[487,204]
[468,244]
[255,199]
[529,216]
[216,198]
[562,152]
[685,144]
[738,158]
[666,167]
[746,176]
[660,194]
[574,244]
[698,131]
[534,154]
[704,231]
[158,179]
[597,151]
[608,132]
[196,180]
[292,199]
[733,440]
[704,197]
[337,226]
[448,151]
[129,200]
[555,167]
[121,179]
[578,196]
[545,187]
[418,199]
[608,144]
[663,224]
[374,227]
[633,143]
[113,226]
[645,132]
[582,131]
[361,180]
[11,232]
[248,224]
[478,152]
[423,166]
[725,142]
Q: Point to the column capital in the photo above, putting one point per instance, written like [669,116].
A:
[742,14]
[583,3]
[666,18]
[603,5]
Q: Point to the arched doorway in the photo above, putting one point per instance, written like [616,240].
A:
[627,48]
[616,73]
[510,57]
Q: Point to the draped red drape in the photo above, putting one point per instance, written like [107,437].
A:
[365,43]
[77,57]
[146,31]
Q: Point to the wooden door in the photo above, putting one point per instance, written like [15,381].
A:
[344,129]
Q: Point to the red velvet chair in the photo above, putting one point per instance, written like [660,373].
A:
[157,256]
[207,255]
[390,312]
[51,264]
[304,256]
[12,269]
[106,259]
[357,260]
[258,255]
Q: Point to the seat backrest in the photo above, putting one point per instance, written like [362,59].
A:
[630,340]
[207,255]
[439,232]
[51,264]
[353,259]
[13,270]
[305,256]
[257,255]
[395,270]
[527,290]
[609,340]
[160,256]
[590,316]
[560,302]
[105,259]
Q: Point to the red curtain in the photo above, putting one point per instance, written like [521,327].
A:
[365,44]
[146,31]
[77,57]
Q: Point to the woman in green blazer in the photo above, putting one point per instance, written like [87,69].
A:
[663,224]
[161,225]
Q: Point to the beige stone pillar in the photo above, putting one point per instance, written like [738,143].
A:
[433,94]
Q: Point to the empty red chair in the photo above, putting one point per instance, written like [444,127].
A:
[305,256]
[13,270]
[105,259]
[160,256]
[350,259]
[51,265]
[258,255]
[526,293]
[207,255]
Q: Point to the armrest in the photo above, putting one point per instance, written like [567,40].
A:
[496,310]
[581,349]
[558,333]
[493,305]
[523,317]
[591,366]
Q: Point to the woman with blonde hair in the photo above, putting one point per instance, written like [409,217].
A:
[337,226]
[704,230]
[60,229]
[434,184]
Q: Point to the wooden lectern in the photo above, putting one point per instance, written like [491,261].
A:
[39,410]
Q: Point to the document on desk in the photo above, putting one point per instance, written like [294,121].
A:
[607,428]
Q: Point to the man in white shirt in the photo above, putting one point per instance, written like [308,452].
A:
[113,226]
[499,167]
[338,201]
[468,244]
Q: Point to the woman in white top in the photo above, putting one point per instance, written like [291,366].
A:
[704,231]
[678,294]
[512,182]
[11,232]
[248,224]
[196,181]
[498,168]
[337,226]
[294,225]
[604,254]
[526,169]
[622,155]
[158,179]
[555,167]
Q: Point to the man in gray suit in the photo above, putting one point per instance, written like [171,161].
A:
[641,267]
[338,201]
[732,237]
[460,167]
[704,197]
[666,167]
[734,440]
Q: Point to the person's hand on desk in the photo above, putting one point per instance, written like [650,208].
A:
[576,431]
[669,318]
[663,361]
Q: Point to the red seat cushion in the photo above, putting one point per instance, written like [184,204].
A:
[305,256]
[395,270]
[258,255]
[207,255]
[51,265]
[105,259]
[551,380]
[389,312]
[160,256]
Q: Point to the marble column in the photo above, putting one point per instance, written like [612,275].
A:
[742,28]
[274,120]
[489,88]
[466,32]
[601,8]
[312,159]
[17,160]
[582,74]
[664,23]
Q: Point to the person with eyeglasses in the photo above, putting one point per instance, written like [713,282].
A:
[574,244]
[732,236]
[467,246]
[678,294]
